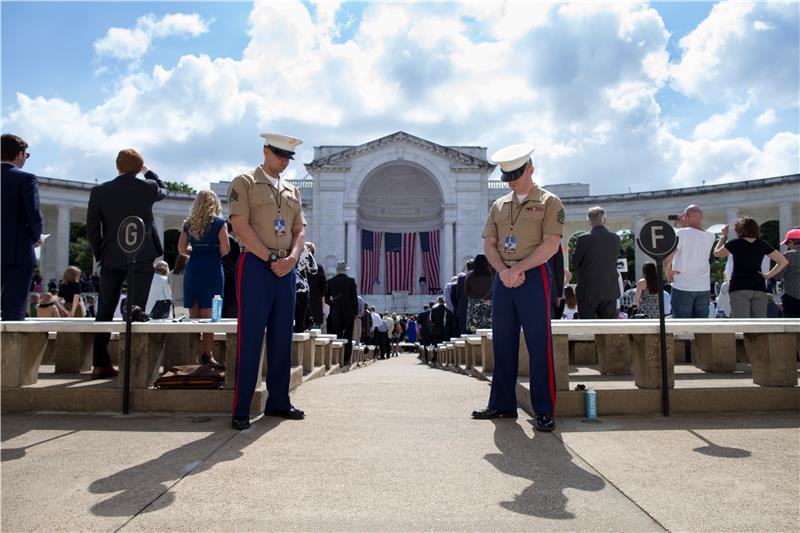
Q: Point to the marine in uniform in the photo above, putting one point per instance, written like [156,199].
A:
[268,220]
[522,232]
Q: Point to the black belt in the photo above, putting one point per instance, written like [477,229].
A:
[278,253]
[273,253]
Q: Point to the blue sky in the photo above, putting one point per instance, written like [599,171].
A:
[616,95]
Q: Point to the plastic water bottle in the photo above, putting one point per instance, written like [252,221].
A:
[216,308]
[591,404]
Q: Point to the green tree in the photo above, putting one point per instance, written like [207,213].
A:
[171,237]
[80,253]
[179,186]
[570,252]
[769,232]
[628,245]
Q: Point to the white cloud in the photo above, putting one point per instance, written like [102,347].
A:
[730,54]
[720,124]
[728,160]
[580,81]
[766,118]
[760,25]
[131,44]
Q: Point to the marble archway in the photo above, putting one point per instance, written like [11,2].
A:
[400,197]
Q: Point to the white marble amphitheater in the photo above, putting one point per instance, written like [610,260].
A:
[402,183]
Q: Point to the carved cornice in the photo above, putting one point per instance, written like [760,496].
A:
[326,168]
[465,160]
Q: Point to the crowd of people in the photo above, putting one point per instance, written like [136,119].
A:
[258,263]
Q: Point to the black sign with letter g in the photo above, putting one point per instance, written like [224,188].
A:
[130,235]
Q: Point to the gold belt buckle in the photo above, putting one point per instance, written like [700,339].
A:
[281,253]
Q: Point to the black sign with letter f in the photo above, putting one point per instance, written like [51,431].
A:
[657,239]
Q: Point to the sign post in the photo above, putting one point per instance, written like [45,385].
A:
[657,239]
[130,238]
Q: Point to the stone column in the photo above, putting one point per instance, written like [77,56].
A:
[352,251]
[446,257]
[731,216]
[160,225]
[639,256]
[61,240]
[784,220]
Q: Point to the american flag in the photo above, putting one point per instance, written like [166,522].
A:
[370,259]
[400,262]
[429,244]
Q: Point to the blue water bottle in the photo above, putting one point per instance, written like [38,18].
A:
[216,308]
[591,404]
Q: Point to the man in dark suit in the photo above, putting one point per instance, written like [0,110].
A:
[424,329]
[109,204]
[460,300]
[21,229]
[595,260]
[342,298]
[437,321]
[317,285]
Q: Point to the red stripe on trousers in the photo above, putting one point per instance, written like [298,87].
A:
[551,379]
[238,329]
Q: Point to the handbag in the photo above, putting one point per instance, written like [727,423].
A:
[161,309]
[192,377]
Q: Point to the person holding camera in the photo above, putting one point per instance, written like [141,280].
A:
[688,267]
[109,204]
[268,219]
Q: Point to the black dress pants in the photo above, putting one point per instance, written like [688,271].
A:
[342,327]
[588,310]
[111,280]
[16,284]
[302,312]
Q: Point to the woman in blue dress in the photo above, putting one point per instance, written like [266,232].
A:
[411,329]
[205,240]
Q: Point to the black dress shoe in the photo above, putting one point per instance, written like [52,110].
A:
[488,414]
[291,414]
[545,423]
[240,422]
[209,360]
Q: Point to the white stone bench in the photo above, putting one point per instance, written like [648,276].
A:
[771,345]
[155,344]
[633,346]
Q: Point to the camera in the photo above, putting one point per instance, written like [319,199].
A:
[673,217]
[137,314]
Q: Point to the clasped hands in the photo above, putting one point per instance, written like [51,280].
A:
[512,278]
[281,267]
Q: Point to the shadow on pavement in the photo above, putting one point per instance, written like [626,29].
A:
[684,422]
[146,487]
[715,450]
[545,461]
[11,454]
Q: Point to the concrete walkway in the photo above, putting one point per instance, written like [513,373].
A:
[392,447]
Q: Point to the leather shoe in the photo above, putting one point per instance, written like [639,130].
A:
[240,422]
[104,372]
[209,360]
[488,414]
[291,413]
[545,423]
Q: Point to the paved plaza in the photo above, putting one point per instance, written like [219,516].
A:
[391,447]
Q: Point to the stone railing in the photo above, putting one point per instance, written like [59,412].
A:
[632,348]
[67,343]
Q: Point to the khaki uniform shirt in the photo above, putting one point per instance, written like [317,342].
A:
[540,214]
[253,197]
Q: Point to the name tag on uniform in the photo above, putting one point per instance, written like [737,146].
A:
[280,227]
[509,244]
